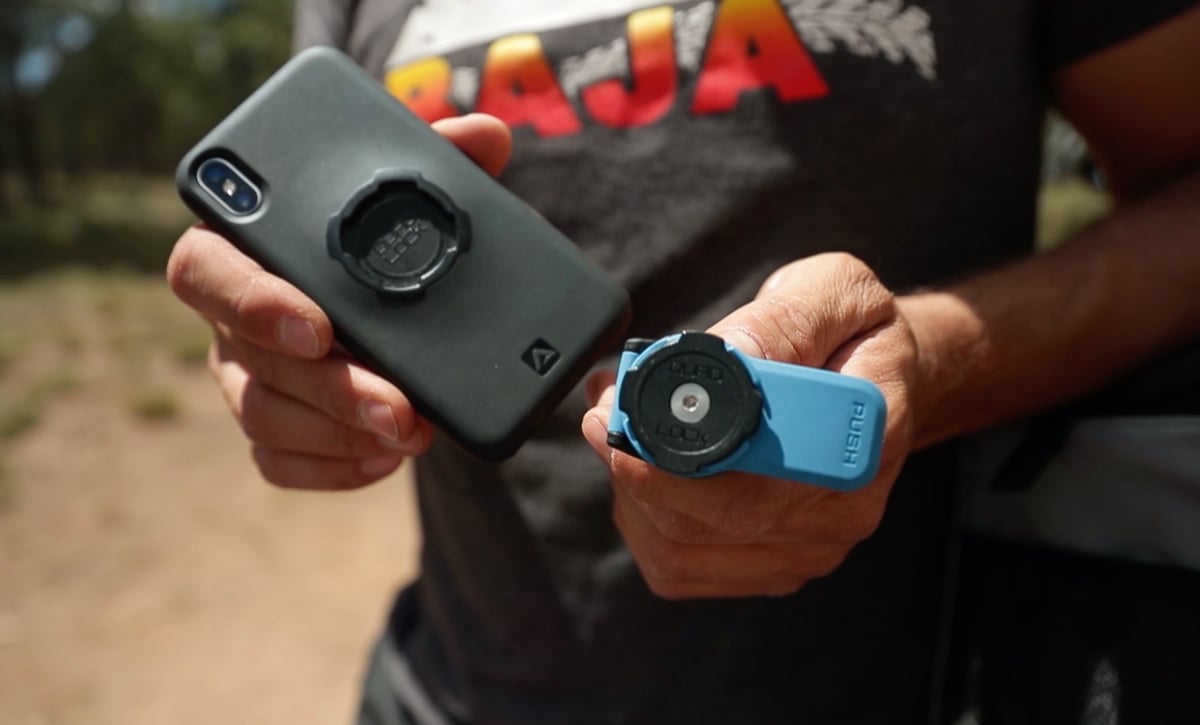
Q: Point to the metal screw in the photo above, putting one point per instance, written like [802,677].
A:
[690,403]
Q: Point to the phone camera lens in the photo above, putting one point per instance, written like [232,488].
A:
[212,174]
[232,189]
[244,201]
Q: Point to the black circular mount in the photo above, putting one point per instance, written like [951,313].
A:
[734,403]
[398,234]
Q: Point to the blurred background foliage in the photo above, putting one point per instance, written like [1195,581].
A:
[98,101]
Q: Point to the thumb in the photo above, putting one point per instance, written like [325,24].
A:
[483,138]
[598,389]
[809,309]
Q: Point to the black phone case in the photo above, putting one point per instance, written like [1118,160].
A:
[489,347]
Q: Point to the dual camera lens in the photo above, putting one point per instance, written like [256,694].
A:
[229,186]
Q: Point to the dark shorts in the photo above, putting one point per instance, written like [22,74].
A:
[380,703]
[392,695]
[1051,637]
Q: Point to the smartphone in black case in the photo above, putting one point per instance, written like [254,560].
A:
[434,275]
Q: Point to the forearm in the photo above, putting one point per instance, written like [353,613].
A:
[1052,327]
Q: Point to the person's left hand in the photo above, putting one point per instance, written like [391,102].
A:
[737,534]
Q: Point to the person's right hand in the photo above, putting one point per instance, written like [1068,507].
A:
[316,418]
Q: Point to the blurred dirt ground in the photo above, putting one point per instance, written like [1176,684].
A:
[147,575]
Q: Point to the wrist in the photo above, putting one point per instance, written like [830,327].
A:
[952,346]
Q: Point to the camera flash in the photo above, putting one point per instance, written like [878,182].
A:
[229,187]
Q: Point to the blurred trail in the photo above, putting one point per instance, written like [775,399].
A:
[148,576]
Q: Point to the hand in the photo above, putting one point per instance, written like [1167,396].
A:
[316,418]
[737,534]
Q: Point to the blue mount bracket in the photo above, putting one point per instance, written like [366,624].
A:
[797,423]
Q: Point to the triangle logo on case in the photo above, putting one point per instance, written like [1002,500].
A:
[541,357]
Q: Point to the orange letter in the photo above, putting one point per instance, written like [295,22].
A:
[652,71]
[424,87]
[754,45]
[520,89]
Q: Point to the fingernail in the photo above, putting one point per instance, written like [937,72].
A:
[743,342]
[390,443]
[374,467]
[299,336]
[379,419]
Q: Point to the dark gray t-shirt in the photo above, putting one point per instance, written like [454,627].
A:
[691,148]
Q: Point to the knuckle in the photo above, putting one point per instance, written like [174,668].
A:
[872,297]
[634,477]
[794,513]
[273,476]
[286,470]
[678,527]
[847,265]
[338,477]
[333,393]
[860,284]
[863,513]
[248,300]
[866,525]
[253,413]
[817,565]
[785,584]
[790,324]
[348,441]
[252,426]
[259,362]
[869,525]
[785,314]
[826,565]
[750,511]
[270,467]
[671,591]
[664,562]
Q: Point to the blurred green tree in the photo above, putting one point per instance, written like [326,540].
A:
[23,28]
[98,101]
[126,85]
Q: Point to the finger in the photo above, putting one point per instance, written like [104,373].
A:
[887,357]
[276,421]
[675,570]
[599,388]
[808,309]
[340,389]
[485,139]
[313,473]
[224,285]
[731,506]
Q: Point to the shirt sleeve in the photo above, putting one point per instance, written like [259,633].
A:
[323,22]
[1068,30]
